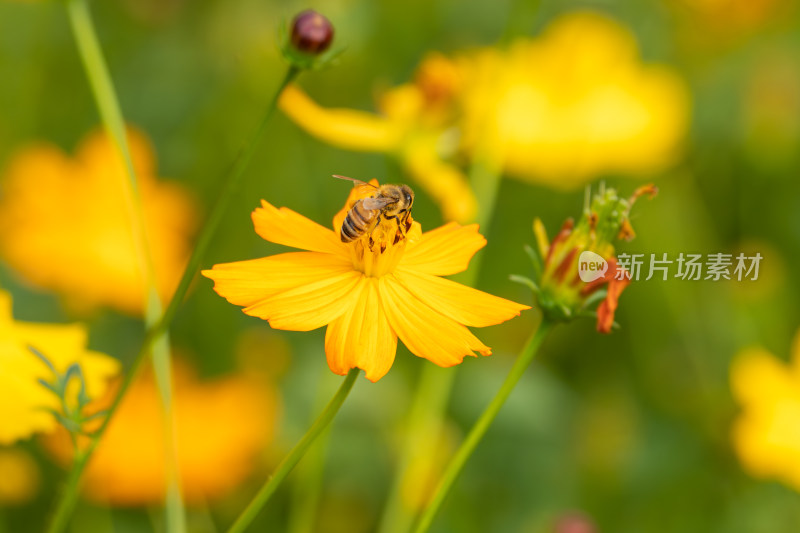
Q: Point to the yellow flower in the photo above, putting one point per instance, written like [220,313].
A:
[766,434]
[559,109]
[411,129]
[23,400]
[64,223]
[366,297]
[221,427]
[20,477]
[574,104]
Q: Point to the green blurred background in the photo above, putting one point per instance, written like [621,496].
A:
[631,429]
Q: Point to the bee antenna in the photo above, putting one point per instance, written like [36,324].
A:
[354,180]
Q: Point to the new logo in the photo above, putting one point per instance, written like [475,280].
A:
[591,266]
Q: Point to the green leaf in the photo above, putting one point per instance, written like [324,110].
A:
[71,425]
[50,386]
[96,415]
[525,281]
[535,260]
[43,358]
[595,297]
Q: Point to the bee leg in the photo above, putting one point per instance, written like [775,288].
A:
[371,243]
[398,235]
[404,226]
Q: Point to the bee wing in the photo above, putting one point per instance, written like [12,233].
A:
[357,182]
[375,204]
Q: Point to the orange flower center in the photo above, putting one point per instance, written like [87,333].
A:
[377,253]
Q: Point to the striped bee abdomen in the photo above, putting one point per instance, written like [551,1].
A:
[358,222]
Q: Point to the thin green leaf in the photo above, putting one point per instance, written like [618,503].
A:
[49,386]
[595,298]
[535,260]
[69,424]
[43,358]
[94,416]
[525,281]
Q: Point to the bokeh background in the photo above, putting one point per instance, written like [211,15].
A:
[631,430]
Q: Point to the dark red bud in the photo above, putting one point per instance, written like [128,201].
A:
[311,32]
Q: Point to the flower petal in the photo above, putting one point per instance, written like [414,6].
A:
[309,306]
[444,251]
[362,337]
[607,308]
[248,282]
[284,226]
[426,332]
[463,304]
[443,181]
[759,380]
[345,128]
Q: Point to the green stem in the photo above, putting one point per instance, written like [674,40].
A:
[481,426]
[162,370]
[157,322]
[111,116]
[230,186]
[289,462]
[309,477]
[485,180]
[307,487]
[424,429]
[70,495]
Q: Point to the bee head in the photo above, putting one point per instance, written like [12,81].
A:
[407,196]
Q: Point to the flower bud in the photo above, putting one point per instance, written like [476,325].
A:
[312,33]
[578,269]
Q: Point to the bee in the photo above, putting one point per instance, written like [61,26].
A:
[389,202]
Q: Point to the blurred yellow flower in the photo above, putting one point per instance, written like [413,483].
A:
[23,400]
[560,109]
[221,426]
[411,128]
[19,477]
[574,104]
[368,297]
[419,481]
[64,223]
[766,434]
